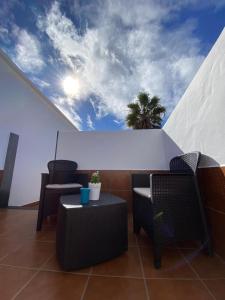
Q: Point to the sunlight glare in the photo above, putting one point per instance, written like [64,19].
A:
[70,86]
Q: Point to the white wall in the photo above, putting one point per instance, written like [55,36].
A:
[24,111]
[121,150]
[198,121]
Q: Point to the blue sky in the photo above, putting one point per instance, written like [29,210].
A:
[111,49]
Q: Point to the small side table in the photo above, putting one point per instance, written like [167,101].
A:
[87,235]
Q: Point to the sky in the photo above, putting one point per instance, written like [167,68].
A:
[92,57]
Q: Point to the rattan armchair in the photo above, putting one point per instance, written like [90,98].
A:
[62,179]
[168,206]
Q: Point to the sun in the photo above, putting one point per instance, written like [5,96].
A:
[70,86]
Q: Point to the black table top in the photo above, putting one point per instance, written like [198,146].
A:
[106,199]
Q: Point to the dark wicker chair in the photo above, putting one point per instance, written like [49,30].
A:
[63,179]
[168,206]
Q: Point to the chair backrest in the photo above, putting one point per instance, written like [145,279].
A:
[186,163]
[61,171]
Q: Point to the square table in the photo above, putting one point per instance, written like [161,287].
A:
[92,233]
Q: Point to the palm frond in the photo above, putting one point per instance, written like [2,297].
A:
[145,113]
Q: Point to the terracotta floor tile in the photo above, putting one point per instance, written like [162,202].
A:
[205,266]
[48,235]
[21,245]
[11,280]
[177,290]
[21,231]
[31,254]
[143,239]
[53,265]
[189,244]
[217,287]
[8,246]
[6,226]
[127,264]
[173,265]
[22,225]
[105,288]
[17,215]
[54,286]
[132,241]
[130,222]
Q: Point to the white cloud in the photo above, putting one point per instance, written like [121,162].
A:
[99,107]
[41,83]
[65,105]
[118,122]
[3,32]
[27,51]
[90,123]
[126,49]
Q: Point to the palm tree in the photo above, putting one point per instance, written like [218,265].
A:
[145,113]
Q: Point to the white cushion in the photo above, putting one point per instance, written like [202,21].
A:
[142,191]
[63,186]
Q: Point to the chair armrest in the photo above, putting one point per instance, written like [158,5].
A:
[143,180]
[81,178]
[140,180]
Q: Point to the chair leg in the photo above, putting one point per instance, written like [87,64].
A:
[208,247]
[136,225]
[39,221]
[207,242]
[157,255]
[157,263]
[40,211]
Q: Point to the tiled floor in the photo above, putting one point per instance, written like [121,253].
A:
[29,269]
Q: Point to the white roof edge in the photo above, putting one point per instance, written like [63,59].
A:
[34,88]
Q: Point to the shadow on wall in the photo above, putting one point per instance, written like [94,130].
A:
[170,147]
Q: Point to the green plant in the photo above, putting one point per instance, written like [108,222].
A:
[145,112]
[95,177]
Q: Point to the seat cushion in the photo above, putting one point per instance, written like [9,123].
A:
[142,191]
[64,186]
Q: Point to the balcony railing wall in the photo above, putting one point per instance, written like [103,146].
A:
[121,150]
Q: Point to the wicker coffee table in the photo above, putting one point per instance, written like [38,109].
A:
[87,235]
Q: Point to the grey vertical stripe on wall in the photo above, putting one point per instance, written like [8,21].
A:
[8,169]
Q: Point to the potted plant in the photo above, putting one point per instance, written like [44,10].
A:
[95,186]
